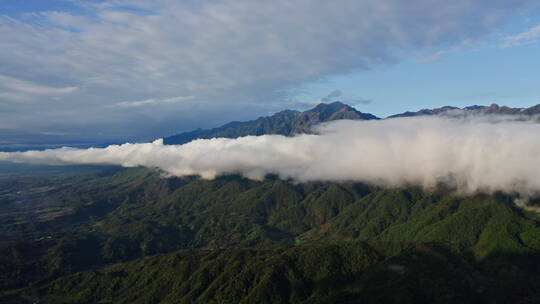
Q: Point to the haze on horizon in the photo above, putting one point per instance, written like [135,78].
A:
[124,70]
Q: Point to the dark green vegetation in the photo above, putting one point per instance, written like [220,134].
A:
[116,235]
[287,123]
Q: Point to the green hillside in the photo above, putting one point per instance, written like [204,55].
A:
[131,235]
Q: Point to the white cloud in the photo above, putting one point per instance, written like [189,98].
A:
[529,36]
[151,101]
[472,154]
[13,89]
[228,53]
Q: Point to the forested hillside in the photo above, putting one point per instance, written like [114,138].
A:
[131,235]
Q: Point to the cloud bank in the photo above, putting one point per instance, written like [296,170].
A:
[471,154]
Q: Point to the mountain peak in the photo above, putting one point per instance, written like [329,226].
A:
[288,122]
[333,105]
[494,106]
[338,110]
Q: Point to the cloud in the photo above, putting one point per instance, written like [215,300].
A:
[435,56]
[337,95]
[529,36]
[356,101]
[332,96]
[14,89]
[228,53]
[472,154]
[438,54]
[151,101]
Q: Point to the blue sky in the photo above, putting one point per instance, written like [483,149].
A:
[490,74]
[114,70]
[14,7]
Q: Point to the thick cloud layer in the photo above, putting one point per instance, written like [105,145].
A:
[486,154]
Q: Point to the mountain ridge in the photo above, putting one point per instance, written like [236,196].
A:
[493,109]
[286,122]
[292,122]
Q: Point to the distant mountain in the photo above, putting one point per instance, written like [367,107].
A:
[476,109]
[286,122]
[290,122]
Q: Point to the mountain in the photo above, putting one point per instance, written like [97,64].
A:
[492,109]
[425,112]
[534,110]
[287,123]
[291,122]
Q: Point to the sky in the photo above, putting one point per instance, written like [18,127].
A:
[128,70]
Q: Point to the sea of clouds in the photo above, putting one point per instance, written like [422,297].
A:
[471,154]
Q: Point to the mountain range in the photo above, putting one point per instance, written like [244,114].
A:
[290,122]
[493,109]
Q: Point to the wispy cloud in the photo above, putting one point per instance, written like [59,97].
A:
[337,95]
[17,89]
[432,57]
[332,96]
[357,101]
[151,101]
[438,54]
[529,36]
